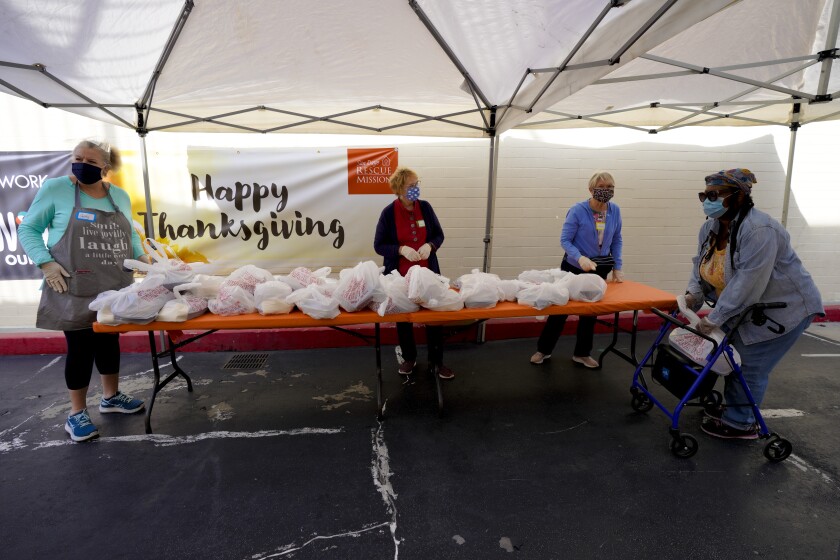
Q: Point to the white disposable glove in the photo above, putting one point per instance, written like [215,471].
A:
[409,253]
[54,274]
[705,326]
[424,251]
[586,264]
[617,275]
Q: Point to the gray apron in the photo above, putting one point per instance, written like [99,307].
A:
[92,250]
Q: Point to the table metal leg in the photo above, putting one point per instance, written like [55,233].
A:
[611,347]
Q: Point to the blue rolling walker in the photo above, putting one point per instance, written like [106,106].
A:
[693,383]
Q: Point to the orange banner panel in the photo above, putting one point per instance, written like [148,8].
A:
[368,170]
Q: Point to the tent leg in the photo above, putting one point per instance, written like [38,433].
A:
[150,224]
[794,126]
[491,202]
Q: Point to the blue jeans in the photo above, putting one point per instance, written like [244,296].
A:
[757,361]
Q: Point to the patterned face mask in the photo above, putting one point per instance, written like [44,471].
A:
[413,192]
[602,195]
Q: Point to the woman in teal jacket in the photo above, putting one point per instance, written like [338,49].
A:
[89,236]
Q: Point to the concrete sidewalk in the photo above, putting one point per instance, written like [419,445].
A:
[288,461]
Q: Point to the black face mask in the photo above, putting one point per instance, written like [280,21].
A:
[86,173]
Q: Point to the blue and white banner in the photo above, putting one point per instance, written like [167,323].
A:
[21,175]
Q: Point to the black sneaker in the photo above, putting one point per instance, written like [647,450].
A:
[406,368]
[714,411]
[716,428]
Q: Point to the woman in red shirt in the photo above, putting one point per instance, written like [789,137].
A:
[408,234]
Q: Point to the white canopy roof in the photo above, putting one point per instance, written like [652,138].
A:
[424,67]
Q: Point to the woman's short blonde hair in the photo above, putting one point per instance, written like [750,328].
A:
[110,155]
[601,176]
[399,179]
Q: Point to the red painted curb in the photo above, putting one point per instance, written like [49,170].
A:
[48,342]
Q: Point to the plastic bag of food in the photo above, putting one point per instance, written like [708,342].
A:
[232,300]
[302,277]
[392,296]
[586,287]
[450,300]
[185,306]
[425,285]
[270,298]
[479,290]
[102,305]
[314,303]
[540,296]
[357,285]
[698,348]
[509,289]
[141,302]
[248,277]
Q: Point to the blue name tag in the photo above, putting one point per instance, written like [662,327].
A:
[86,216]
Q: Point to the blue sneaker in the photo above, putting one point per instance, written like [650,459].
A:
[80,427]
[121,402]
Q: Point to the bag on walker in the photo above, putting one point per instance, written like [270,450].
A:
[698,348]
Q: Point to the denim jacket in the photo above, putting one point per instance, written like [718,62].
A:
[580,238]
[766,270]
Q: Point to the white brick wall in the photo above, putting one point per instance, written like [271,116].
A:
[540,175]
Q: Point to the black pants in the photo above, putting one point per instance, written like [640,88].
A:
[434,342]
[84,347]
[586,323]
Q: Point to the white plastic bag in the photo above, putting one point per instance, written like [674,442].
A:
[479,290]
[509,289]
[357,285]
[585,287]
[140,303]
[540,296]
[206,286]
[185,306]
[696,347]
[270,298]
[248,277]
[232,300]
[314,303]
[392,296]
[302,277]
[424,285]
[450,300]
[102,305]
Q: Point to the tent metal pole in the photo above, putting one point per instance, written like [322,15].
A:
[491,192]
[147,190]
[491,204]
[794,126]
[830,43]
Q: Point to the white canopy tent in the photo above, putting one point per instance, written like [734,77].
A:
[462,68]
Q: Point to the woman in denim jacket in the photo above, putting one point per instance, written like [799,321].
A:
[744,257]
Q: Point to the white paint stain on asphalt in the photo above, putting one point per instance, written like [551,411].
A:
[782,413]
[356,392]
[162,440]
[381,471]
[291,548]
[220,412]
[505,544]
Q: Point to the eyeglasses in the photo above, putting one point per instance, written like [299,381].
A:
[713,195]
[417,184]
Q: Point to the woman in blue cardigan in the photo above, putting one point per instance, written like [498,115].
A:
[591,238]
[408,234]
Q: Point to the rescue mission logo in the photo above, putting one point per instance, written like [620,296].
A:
[368,170]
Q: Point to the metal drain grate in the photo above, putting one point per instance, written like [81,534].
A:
[246,361]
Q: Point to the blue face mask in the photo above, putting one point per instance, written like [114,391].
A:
[714,209]
[86,173]
[413,193]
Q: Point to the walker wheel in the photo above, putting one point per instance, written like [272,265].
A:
[712,400]
[640,402]
[777,449]
[684,446]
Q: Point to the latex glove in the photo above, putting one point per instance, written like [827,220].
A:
[409,253]
[424,251]
[55,275]
[586,264]
[617,275]
[705,326]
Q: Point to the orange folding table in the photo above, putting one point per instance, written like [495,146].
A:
[626,296]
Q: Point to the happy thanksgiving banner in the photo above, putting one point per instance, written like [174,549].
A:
[275,208]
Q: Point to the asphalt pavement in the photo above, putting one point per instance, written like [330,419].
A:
[285,458]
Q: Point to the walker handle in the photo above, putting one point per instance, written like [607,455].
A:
[679,324]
